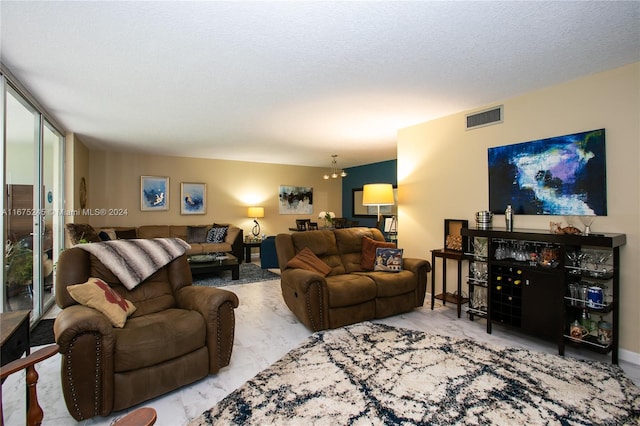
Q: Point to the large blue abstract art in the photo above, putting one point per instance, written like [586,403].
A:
[564,175]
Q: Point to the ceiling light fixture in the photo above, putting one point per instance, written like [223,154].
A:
[334,169]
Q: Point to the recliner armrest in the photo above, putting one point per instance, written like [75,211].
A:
[302,279]
[216,307]
[79,319]
[205,300]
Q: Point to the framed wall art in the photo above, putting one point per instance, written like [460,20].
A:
[561,176]
[295,200]
[154,193]
[193,198]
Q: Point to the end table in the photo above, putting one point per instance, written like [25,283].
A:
[248,245]
[445,254]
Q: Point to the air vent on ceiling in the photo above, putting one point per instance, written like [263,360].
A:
[485,118]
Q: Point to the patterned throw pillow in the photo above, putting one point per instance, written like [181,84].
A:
[97,294]
[217,235]
[388,260]
[368,254]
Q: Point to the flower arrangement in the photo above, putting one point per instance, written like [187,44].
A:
[327,217]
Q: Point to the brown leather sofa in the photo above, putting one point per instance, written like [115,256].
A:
[177,335]
[348,294]
[233,241]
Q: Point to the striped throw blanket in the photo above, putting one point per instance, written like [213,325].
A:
[135,260]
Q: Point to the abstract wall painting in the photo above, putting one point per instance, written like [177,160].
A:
[295,200]
[193,198]
[154,193]
[564,175]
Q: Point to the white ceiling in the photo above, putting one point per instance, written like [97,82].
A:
[294,82]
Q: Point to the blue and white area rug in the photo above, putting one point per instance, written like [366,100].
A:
[373,374]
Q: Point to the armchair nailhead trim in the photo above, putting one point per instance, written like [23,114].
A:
[72,388]
[314,327]
[96,390]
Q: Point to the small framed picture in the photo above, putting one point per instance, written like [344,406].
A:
[154,193]
[390,225]
[193,198]
[453,239]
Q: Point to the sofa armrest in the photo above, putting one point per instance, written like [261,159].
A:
[420,268]
[235,237]
[306,294]
[301,279]
[414,265]
[216,306]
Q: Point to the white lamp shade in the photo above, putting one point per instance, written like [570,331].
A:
[377,194]
[255,212]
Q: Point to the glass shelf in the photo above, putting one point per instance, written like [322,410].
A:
[479,283]
[590,273]
[478,312]
[581,304]
[590,340]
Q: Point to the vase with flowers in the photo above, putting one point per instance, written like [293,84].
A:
[327,217]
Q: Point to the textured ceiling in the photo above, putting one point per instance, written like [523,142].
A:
[294,82]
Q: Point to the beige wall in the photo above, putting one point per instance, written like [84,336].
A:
[76,166]
[443,170]
[232,186]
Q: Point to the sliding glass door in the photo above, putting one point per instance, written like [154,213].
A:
[32,220]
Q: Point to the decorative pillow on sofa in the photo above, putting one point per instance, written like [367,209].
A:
[82,232]
[196,234]
[217,234]
[97,294]
[388,260]
[126,234]
[368,255]
[107,234]
[306,259]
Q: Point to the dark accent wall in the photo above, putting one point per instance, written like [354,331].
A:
[383,172]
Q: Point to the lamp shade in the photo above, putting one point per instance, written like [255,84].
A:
[255,212]
[377,194]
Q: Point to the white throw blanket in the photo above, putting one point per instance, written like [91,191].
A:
[135,260]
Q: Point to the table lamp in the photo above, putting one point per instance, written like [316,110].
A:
[255,213]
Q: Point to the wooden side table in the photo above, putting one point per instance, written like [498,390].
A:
[248,245]
[444,254]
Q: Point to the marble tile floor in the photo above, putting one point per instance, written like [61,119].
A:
[265,331]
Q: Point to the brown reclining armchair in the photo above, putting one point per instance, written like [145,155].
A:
[177,335]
